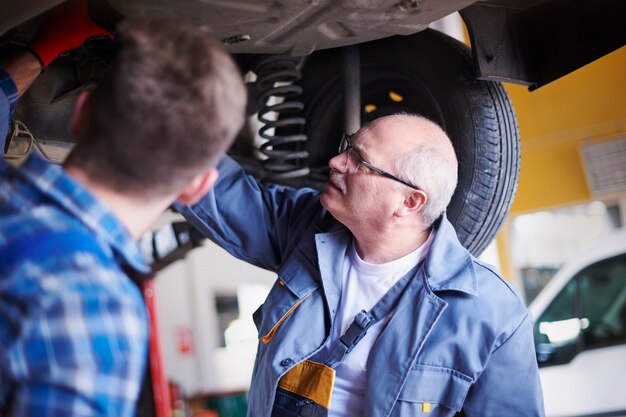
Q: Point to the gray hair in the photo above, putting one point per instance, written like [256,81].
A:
[433,167]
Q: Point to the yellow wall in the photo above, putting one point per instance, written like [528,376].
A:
[555,119]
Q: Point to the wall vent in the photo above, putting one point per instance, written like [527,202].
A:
[605,166]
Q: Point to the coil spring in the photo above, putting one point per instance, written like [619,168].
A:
[275,77]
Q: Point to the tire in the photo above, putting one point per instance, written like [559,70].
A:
[433,74]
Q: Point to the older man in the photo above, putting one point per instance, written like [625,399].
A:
[73,326]
[377,310]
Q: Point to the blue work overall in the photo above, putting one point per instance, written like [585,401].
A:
[305,390]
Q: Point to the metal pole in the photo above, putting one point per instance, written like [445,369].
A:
[352,88]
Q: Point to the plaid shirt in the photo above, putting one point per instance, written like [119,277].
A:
[73,327]
[8,99]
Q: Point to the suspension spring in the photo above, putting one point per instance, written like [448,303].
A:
[278,111]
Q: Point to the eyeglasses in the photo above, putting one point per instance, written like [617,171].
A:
[345,146]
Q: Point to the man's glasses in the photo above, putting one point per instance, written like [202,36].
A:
[345,146]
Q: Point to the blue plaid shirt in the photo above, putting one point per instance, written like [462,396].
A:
[73,327]
[8,99]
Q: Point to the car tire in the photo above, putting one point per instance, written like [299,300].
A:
[430,74]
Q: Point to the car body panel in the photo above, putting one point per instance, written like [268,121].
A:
[298,26]
[592,382]
[604,248]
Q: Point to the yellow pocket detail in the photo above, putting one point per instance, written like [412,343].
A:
[425,407]
[311,380]
[270,335]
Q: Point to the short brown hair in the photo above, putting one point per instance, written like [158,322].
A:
[167,108]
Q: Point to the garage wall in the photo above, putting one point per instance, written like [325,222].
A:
[188,318]
[554,120]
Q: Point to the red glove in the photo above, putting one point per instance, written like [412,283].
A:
[66,27]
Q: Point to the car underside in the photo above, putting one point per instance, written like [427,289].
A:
[318,68]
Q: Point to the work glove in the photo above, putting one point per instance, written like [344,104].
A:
[66,27]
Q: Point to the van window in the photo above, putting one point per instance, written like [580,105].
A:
[590,312]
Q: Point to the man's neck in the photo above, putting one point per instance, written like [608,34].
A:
[135,214]
[380,248]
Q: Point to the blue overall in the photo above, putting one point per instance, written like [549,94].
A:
[292,402]
[460,337]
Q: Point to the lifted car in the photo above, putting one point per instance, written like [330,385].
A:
[317,68]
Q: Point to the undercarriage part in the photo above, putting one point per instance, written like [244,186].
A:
[21,143]
[534,43]
[278,109]
[352,88]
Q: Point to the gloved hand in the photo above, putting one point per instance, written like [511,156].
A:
[66,27]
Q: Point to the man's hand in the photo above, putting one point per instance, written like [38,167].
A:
[66,27]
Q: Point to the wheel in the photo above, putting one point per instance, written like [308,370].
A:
[430,74]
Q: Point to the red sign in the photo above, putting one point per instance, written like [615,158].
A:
[184,340]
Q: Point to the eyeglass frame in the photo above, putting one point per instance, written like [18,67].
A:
[345,145]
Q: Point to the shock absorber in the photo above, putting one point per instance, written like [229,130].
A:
[282,127]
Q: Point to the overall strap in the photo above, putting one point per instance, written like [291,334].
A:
[341,347]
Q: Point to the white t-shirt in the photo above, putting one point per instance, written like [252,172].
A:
[363,285]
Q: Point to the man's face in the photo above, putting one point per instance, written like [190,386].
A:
[356,196]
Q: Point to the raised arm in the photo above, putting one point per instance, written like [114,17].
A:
[255,223]
[65,27]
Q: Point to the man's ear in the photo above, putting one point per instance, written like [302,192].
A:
[80,113]
[198,186]
[412,203]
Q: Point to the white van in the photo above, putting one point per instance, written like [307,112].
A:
[580,333]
